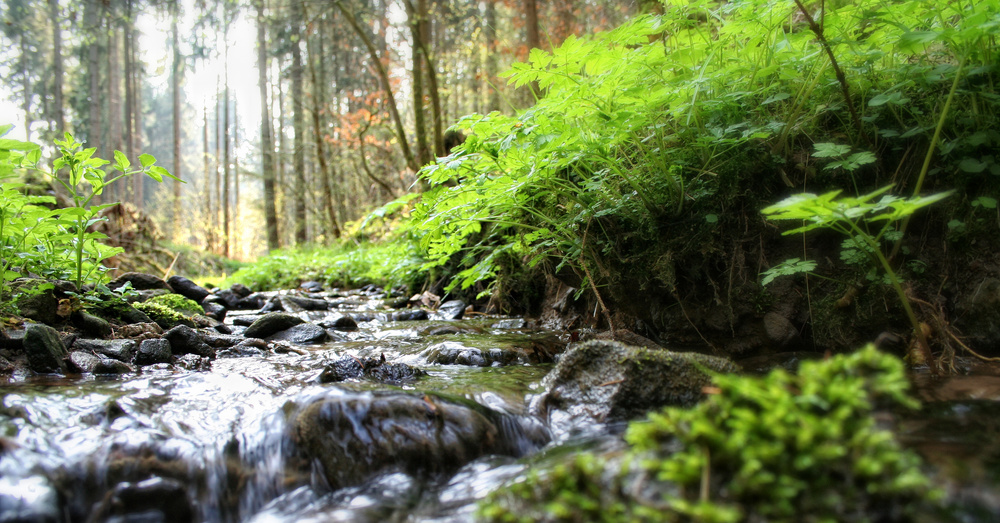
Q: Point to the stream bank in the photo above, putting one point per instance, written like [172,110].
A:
[348,409]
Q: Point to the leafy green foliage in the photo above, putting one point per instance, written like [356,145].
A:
[385,264]
[787,268]
[652,127]
[783,447]
[57,243]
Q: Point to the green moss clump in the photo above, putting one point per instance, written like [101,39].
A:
[783,447]
[178,303]
[164,316]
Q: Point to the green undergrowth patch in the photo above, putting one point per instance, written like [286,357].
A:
[646,161]
[346,265]
[783,447]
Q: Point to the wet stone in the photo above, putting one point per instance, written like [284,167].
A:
[82,361]
[312,286]
[227,297]
[216,311]
[341,322]
[36,302]
[121,350]
[44,349]
[244,321]
[271,323]
[409,315]
[110,366]
[607,380]
[193,362]
[356,437]
[250,347]
[153,351]
[188,288]
[251,302]
[241,290]
[301,334]
[375,369]
[454,353]
[304,303]
[185,340]
[140,281]
[452,310]
[92,325]
[154,499]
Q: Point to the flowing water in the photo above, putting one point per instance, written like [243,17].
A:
[222,444]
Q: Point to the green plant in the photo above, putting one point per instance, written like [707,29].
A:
[791,447]
[60,239]
[783,447]
[865,220]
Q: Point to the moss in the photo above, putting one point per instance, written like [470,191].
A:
[178,303]
[784,447]
[163,315]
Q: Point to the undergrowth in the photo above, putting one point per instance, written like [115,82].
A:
[656,142]
[347,265]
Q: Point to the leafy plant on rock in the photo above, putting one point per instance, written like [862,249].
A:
[59,243]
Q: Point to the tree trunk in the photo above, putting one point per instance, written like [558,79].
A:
[216,178]
[298,124]
[175,84]
[490,34]
[331,226]
[92,23]
[417,83]
[534,40]
[266,138]
[57,68]
[281,180]
[236,243]
[225,144]
[114,99]
[137,130]
[206,156]
[127,73]
[383,75]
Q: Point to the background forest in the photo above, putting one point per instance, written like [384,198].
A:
[351,109]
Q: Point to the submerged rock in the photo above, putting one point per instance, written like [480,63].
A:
[454,353]
[375,369]
[355,437]
[609,381]
[154,499]
[44,349]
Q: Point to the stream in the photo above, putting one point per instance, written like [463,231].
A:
[228,443]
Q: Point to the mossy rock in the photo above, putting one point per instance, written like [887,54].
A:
[178,303]
[163,316]
[604,380]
